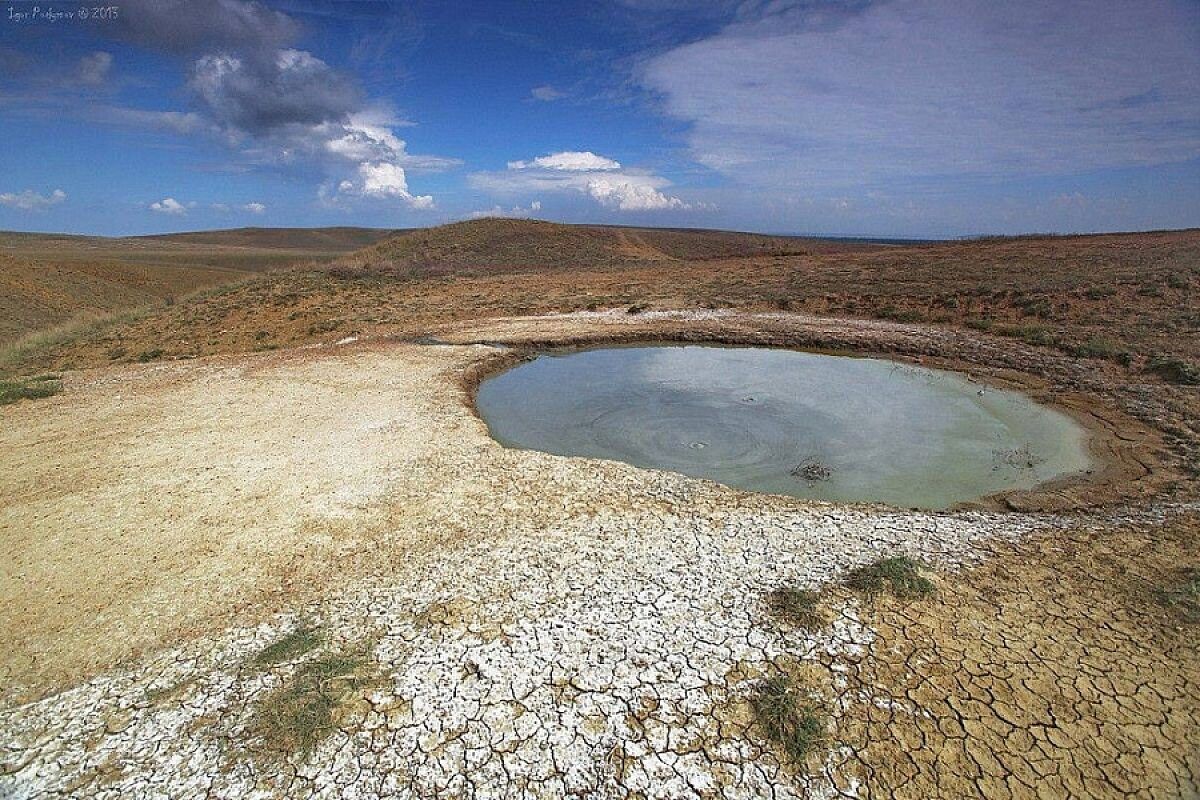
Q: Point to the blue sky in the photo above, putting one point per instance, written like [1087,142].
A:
[895,118]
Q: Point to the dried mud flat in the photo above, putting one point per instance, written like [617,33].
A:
[311,573]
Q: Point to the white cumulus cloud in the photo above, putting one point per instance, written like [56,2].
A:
[383,179]
[629,194]
[30,200]
[254,208]
[276,105]
[169,205]
[600,178]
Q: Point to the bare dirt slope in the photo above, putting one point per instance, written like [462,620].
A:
[47,279]
[39,294]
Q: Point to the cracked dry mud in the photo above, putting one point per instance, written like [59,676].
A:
[535,625]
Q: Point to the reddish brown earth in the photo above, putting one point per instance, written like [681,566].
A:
[48,279]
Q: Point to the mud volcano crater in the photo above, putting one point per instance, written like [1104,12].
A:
[786,422]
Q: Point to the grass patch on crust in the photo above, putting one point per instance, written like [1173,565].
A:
[294,718]
[796,607]
[29,388]
[289,647]
[899,575]
[789,716]
[37,346]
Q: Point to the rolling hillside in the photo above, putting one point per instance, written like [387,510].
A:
[52,279]
[506,245]
[1125,298]
[38,294]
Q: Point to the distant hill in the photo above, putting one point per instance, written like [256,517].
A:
[1128,298]
[49,279]
[37,294]
[318,239]
[244,249]
[505,245]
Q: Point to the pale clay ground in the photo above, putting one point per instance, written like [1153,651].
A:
[162,524]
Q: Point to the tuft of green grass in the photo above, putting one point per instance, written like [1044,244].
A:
[900,575]
[298,715]
[788,716]
[895,314]
[1175,370]
[1035,307]
[39,346]
[29,388]
[796,607]
[1183,595]
[289,647]
[149,355]
[1098,347]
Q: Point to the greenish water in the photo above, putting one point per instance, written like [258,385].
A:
[786,422]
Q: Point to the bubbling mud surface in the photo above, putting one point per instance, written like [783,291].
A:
[786,422]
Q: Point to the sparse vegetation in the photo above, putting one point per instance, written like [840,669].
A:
[789,716]
[980,323]
[797,607]
[900,314]
[1034,307]
[27,348]
[94,282]
[1030,334]
[1175,370]
[899,575]
[294,718]
[289,647]
[1098,347]
[29,388]
[489,245]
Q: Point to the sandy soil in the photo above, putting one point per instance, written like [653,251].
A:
[160,524]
